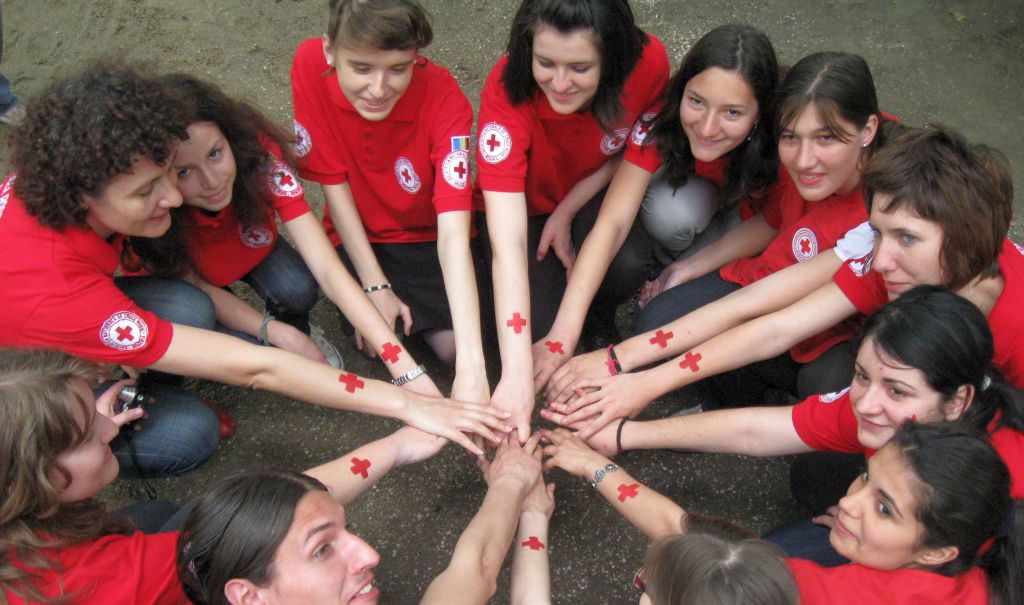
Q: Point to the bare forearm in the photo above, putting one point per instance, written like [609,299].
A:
[756,431]
[762,297]
[647,510]
[461,288]
[531,576]
[618,211]
[357,471]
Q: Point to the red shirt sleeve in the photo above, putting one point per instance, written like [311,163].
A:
[311,105]
[504,140]
[639,150]
[827,423]
[452,120]
[87,315]
[862,286]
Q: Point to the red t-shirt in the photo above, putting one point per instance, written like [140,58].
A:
[404,170]
[222,251]
[827,423]
[866,290]
[854,584]
[132,570]
[532,149]
[57,291]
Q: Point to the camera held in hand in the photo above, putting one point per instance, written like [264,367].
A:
[132,396]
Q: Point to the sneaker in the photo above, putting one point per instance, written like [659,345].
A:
[14,115]
[330,351]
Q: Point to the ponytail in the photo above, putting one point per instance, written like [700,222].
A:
[1004,561]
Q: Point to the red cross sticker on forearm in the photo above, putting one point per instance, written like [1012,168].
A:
[361,466]
[351,381]
[389,352]
[533,543]
[690,361]
[517,322]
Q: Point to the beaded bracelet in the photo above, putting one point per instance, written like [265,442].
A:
[377,288]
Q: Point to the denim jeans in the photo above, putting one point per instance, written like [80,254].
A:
[806,540]
[7,98]
[181,432]
[286,285]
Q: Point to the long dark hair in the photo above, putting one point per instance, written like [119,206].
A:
[753,164]
[964,501]
[619,41]
[235,529]
[947,338]
[242,125]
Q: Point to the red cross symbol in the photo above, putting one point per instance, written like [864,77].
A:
[805,245]
[690,361]
[493,142]
[554,346]
[644,127]
[361,466]
[628,491]
[461,170]
[389,352]
[533,543]
[351,381]
[661,338]
[516,323]
[406,176]
[286,179]
[124,333]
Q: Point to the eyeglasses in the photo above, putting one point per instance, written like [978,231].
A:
[638,580]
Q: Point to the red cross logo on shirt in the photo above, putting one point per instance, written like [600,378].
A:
[361,466]
[493,142]
[124,333]
[406,176]
[286,179]
[516,323]
[554,346]
[628,491]
[690,361]
[533,543]
[805,245]
[389,352]
[351,381]
[461,170]
[661,338]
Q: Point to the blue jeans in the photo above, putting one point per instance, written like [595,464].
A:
[286,286]
[7,98]
[181,431]
[806,540]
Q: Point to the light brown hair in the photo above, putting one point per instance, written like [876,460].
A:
[381,24]
[37,424]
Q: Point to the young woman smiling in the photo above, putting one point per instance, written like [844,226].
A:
[234,176]
[555,114]
[913,529]
[927,190]
[386,134]
[713,132]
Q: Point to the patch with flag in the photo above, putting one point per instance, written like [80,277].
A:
[460,143]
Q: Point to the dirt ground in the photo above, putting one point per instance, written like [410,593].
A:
[958,62]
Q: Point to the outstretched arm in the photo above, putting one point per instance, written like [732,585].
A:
[506,225]
[650,512]
[350,475]
[618,211]
[456,259]
[341,288]
[213,356]
[471,577]
[753,431]
[531,575]
[625,395]
[759,298]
